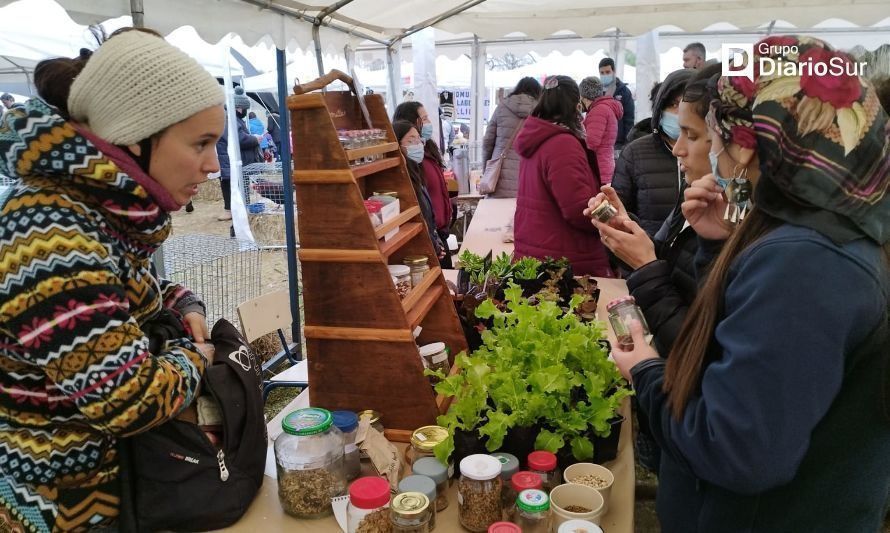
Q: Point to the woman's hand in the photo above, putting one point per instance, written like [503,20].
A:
[207,350]
[607,192]
[641,352]
[704,206]
[197,323]
[630,242]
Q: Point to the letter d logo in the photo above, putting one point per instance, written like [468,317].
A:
[738,60]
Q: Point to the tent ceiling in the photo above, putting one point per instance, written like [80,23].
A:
[285,22]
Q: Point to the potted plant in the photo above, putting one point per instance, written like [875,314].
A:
[540,369]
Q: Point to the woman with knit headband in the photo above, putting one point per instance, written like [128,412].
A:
[773,409]
[100,169]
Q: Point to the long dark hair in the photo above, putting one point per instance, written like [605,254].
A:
[409,111]
[559,104]
[401,127]
[700,90]
[529,86]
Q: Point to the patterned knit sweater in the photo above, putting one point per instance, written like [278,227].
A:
[76,285]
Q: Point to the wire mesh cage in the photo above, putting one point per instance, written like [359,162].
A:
[224,272]
[264,186]
[6,186]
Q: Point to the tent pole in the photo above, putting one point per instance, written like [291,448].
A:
[293,271]
[478,96]
[316,37]
[138,12]
[435,20]
[264,4]
[394,70]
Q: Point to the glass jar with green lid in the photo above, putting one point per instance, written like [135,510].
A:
[419,265]
[533,511]
[423,440]
[410,513]
[309,461]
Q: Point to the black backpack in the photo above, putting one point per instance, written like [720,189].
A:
[173,478]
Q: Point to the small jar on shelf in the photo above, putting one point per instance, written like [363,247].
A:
[394,194]
[423,441]
[543,463]
[401,276]
[373,208]
[410,513]
[368,508]
[435,357]
[433,469]
[479,492]
[425,486]
[419,265]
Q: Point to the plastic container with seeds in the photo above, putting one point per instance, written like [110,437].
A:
[543,463]
[435,357]
[479,492]
[419,265]
[309,460]
[433,469]
[410,513]
[423,441]
[401,276]
[509,466]
[425,486]
[519,482]
[347,423]
[368,508]
[533,511]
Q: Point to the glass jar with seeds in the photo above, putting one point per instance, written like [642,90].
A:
[533,511]
[347,423]
[425,486]
[433,469]
[423,441]
[368,508]
[410,513]
[479,492]
[309,461]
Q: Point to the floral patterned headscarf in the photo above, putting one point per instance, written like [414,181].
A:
[822,140]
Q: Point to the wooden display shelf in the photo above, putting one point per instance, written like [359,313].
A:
[378,149]
[400,219]
[359,333]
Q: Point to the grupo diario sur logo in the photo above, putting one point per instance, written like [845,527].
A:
[739,59]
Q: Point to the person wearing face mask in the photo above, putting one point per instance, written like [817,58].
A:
[432,168]
[100,171]
[412,146]
[600,124]
[647,178]
[617,89]
[248,144]
[664,270]
[772,409]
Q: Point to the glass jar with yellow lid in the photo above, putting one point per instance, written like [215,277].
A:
[423,440]
[410,513]
[419,265]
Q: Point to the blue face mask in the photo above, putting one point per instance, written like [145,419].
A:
[714,168]
[670,125]
[607,79]
[426,131]
[415,153]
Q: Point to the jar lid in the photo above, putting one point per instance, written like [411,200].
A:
[533,501]
[345,421]
[509,464]
[504,527]
[394,194]
[369,492]
[410,503]
[415,260]
[620,300]
[579,526]
[399,270]
[601,208]
[431,468]
[309,421]
[427,437]
[480,467]
[526,480]
[432,349]
[372,416]
[418,483]
[541,461]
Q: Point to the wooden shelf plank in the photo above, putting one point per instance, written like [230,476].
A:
[406,233]
[423,306]
[360,171]
[398,435]
[377,149]
[402,217]
[358,334]
[417,292]
[322,176]
[305,101]
[322,255]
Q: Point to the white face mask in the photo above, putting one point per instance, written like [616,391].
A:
[415,153]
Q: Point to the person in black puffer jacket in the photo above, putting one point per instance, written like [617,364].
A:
[665,270]
[647,178]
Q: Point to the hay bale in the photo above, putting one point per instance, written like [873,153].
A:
[266,346]
[267,228]
[209,191]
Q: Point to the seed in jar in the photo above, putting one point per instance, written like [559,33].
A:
[376,522]
[591,480]
[577,509]
[307,492]
[479,508]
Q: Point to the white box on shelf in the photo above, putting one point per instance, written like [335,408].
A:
[389,212]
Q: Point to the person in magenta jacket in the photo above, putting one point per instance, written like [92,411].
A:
[557,175]
[601,124]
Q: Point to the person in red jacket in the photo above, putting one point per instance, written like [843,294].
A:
[601,124]
[432,167]
[557,174]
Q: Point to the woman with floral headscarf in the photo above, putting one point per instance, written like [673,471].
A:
[772,410]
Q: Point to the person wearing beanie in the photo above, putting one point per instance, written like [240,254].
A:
[99,170]
[600,124]
[247,143]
